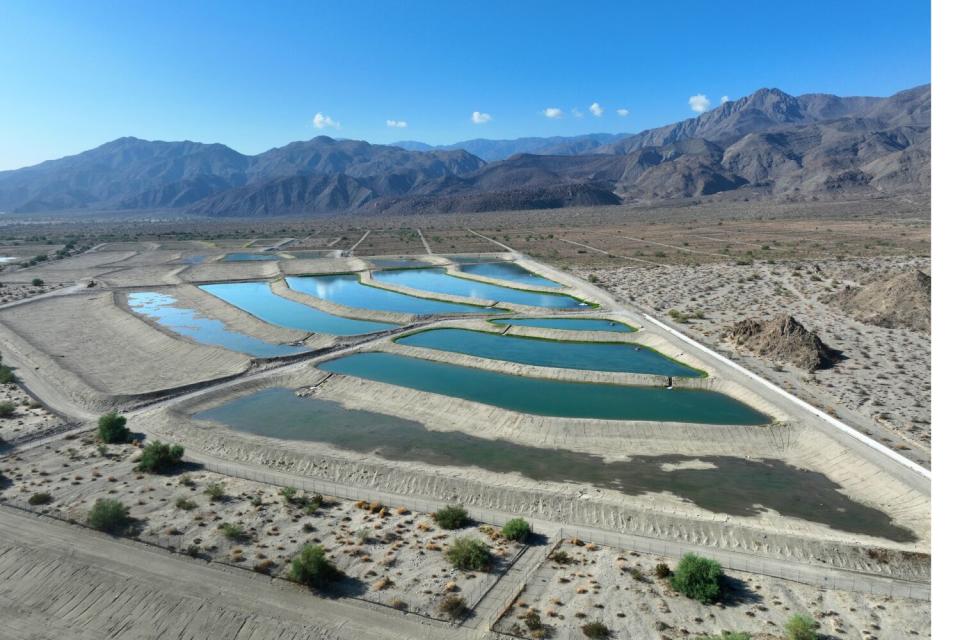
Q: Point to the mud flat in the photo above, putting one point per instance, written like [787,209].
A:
[65,340]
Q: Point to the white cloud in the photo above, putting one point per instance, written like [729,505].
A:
[699,103]
[724,99]
[596,109]
[623,113]
[397,124]
[576,113]
[321,121]
[480,118]
[553,113]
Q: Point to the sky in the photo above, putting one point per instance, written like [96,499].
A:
[253,76]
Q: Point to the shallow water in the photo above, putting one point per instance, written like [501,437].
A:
[508,271]
[397,263]
[257,299]
[188,322]
[568,324]
[349,291]
[734,486]
[245,257]
[439,281]
[588,356]
[548,397]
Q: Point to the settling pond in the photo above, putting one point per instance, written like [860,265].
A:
[568,324]
[587,356]
[439,281]
[350,292]
[721,484]
[256,298]
[548,397]
[508,271]
[187,322]
[249,256]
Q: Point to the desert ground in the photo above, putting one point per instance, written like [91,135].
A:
[77,350]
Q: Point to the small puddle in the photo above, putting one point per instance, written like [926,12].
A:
[568,324]
[545,397]
[587,356]
[720,484]
[439,281]
[256,298]
[349,291]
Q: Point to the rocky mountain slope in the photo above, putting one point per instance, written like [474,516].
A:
[494,150]
[770,144]
[783,339]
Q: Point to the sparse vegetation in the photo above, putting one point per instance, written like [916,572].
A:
[110,516]
[595,630]
[233,532]
[159,457]
[215,491]
[112,428]
[516,529]
[7,409]
[801,627]
[452,517]
[469,554]
[662,570]
[40,498]
[186,504]
[698,578]
[453,607]
[6,375]
[312,568]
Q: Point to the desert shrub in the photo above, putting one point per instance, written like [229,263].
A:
[112,427]
[186,504]
[37,282]
[517,529]
[233,532]
[312,568]
[698,578]
[452,516]
[40,498]
[110,516]
[159,456]
[801,627]
[596,630]
[453,607]
[215,491]
[730,635]
[561,557]
[532,619]
[7,409]
[6,375]
[662,570]
[469,554]
[289,494]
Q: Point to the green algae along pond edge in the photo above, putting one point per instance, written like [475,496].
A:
[720,484]
[585,355]
[541,396]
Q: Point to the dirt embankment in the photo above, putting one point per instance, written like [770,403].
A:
[783,339]
[899,302]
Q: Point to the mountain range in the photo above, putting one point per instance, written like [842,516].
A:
[769,143]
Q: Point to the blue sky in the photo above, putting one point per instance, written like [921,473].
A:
[254,75]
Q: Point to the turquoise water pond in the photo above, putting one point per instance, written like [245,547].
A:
[548,397]
[439,281]
[349,291]
[397,263]
[188,322]
[257,299]
[588,356]
[247,256]
[508,271]
[725,484]
[568,324]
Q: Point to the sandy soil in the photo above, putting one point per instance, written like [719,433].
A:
[30,416]
[598,584]
[390,555]
[15,292]
[884,379]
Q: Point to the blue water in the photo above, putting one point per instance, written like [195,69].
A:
[397,263]
[586,356]
[508,271]
[187,322]
[349,291]
[244,257]
[439,281]
[568,324]
[257,299]
[548,397]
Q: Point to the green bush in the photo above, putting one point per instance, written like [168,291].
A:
[517,529]
[40,498]
[469,554]
[452,517]
[801,627]
[595,630]
[112,427]
[698,578]
[312,568]
[233,532]
[215,491]
[6,375]
[37,282]
[186,504]
[7,409]
[158,457]
[730,635]
[453,607]
[110,516]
